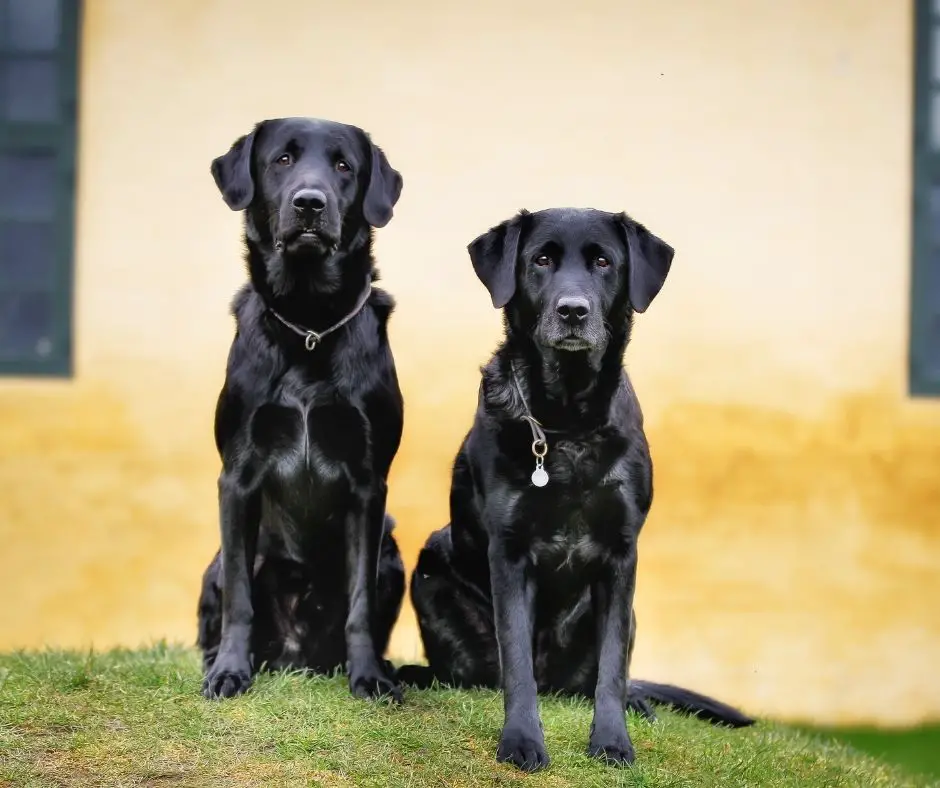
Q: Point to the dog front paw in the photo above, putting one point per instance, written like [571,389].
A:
[523,748]
[612,746]
[227,677]
[373,683]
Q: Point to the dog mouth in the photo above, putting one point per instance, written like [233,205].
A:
[572,344]
[305,235]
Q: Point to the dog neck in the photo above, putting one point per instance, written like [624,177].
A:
[296,288]
[565,391]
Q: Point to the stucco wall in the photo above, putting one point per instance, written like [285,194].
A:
[790,560]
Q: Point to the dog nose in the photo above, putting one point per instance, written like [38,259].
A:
[573,309]
[309,201]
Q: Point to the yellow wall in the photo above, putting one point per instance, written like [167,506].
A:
[790,563]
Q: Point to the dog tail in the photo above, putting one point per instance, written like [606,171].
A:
[688,702]
[641,694]
[417,676]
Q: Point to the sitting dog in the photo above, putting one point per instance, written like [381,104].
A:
[309,418]
[531,585]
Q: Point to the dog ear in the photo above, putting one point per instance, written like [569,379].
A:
[232,172]
[494,254]
[385,184]
[650,261]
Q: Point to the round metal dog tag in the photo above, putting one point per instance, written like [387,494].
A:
[539,477]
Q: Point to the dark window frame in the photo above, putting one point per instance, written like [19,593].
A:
[59,138]
[923,367]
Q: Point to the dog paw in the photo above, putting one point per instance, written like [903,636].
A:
[523,748]
[641,706]
[227,678]
[374,684]
[614,747]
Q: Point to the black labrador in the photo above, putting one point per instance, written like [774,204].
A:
[309,419]
[531,585]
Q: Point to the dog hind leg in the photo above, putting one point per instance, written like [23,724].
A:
[210,612]
[455,617]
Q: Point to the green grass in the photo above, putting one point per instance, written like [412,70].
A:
[916,749]
[135,718]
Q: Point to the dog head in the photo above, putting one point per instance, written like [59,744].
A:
[307,184]
[567,276]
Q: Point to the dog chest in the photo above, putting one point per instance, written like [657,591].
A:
[576,464]
[575,527]
[303,441]
[566,551]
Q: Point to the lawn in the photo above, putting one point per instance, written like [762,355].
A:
[917,749]
[135,718]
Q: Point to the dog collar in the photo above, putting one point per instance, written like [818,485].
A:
[539,443]
[313,338]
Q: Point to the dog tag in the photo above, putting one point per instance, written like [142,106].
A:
[539,449]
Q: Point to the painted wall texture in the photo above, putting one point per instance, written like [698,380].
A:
[790,562]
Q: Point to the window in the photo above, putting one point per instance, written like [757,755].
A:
[925,278]
[38,99]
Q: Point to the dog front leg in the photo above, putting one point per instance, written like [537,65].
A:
[364,529]
[612,597]
[522,741]
[239,520]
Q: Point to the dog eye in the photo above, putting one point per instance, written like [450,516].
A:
[343,166]
[285,159]
[601,262]
[543,259]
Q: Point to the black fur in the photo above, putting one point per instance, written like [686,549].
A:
[531,589]
[309,575]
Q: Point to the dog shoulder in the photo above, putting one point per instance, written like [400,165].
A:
[229,416]
[252,359]
[496,404]
[629,418]
[497,397]
[627,408]
[383,304]
[367,344]
[248,310]
[244,302]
